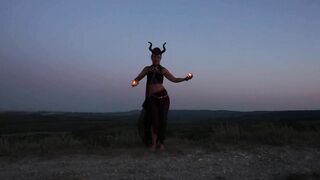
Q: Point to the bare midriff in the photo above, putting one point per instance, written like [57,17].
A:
[153,88]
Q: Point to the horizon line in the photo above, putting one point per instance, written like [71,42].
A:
[128,111]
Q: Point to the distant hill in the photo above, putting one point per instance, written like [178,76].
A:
[20,121]
[194,115]
[173,116]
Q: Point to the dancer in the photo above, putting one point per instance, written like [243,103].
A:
[153,120]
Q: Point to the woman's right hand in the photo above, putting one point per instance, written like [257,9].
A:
[134,83]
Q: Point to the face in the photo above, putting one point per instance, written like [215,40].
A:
[156,59]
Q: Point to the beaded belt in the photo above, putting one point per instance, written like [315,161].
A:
[160,97]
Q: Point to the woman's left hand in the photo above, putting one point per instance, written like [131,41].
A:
[189,76]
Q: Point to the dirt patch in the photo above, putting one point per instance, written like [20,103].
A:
[176,162]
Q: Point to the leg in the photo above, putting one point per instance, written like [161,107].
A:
[154,120]
[164,109]
[144,127]
[154,139]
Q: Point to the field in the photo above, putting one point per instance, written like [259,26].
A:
[200,144]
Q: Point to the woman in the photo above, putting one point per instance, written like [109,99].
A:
[156,104]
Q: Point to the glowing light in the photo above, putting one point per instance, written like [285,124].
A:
[134,83]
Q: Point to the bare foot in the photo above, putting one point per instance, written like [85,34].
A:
[153,148]
[161,147]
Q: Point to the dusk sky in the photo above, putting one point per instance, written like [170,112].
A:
[81,55]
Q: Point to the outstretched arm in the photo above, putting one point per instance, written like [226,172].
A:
[136,80]
[142,74]
[172,78]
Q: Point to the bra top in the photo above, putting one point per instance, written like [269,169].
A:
[155,76]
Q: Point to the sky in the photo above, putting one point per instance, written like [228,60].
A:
[80,56]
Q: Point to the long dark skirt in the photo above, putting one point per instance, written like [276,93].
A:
[154,114]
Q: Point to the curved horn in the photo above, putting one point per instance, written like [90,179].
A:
[164,48]
[150,47]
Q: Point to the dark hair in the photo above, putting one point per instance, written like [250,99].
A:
[156,50]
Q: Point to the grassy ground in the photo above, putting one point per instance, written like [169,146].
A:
[213,136]
[73,146]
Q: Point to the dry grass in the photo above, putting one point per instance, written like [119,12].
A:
[212,136]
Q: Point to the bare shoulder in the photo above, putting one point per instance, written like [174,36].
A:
[164,70]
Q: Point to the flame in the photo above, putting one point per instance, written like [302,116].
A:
[134,82]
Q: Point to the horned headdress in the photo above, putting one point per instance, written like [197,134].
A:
[156,50]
